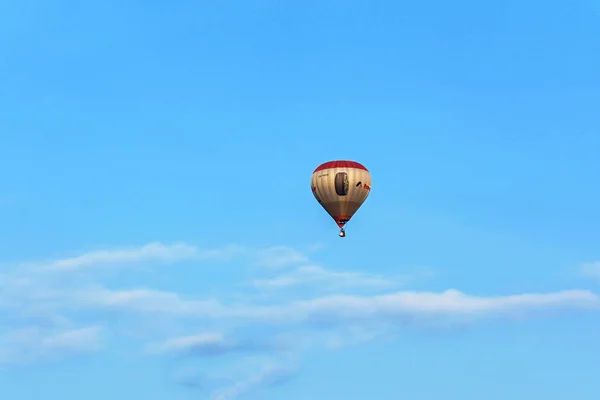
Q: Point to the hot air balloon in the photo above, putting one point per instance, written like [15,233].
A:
[341,187]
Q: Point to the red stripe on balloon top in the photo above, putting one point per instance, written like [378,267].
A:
[340,164]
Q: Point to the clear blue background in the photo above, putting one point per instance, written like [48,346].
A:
[123,123]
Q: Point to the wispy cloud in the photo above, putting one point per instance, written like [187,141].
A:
[141,301]
[444,304]
[310,275]
[32,344]
[206,343]
[160,253]
[268,377]
[280,256]
[210,344]
[149,253]
[195,378]
[42,311]
[336,307]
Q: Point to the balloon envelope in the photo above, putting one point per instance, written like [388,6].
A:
[341,187]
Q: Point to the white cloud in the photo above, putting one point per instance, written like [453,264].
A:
[30,344]
[280,256]
[143,301]
[148,252]
[195,378]
[26,296]
[151,252]
[212,344]
[338,307]
[84,339]
[157,252]
[307,275]
[206,342]
[268,377]
[30,296]
[448,303]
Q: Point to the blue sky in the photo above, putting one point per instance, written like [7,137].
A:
[158,235]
